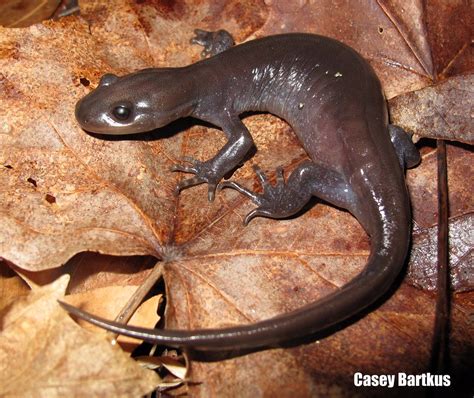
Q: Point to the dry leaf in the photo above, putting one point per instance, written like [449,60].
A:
[64,200]
[43,353]
[67,192]
[461,257]
[423,187]
[107,302]
[442,111]
[11,286]
[20,13]
[175,367]
[92,270]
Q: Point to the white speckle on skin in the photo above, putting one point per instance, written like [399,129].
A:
[259,74]
[141,104]
[300,105]
[271,71]
[385,225]
[295,79]
[338,74]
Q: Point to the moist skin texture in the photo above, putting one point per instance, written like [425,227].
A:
[334,102]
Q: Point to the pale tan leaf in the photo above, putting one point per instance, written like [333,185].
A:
[43,353]
[107,302]
[66,192]
[174,366]
[11,286]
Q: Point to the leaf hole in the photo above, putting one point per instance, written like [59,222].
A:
[380,30]
[85,82]
[7,166]
[50,198]
[32,181]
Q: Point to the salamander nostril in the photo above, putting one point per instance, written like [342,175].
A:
[81,115]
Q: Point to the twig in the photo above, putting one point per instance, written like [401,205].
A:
[440,349]
[137,298]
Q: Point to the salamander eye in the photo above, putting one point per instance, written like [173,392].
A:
[121,112]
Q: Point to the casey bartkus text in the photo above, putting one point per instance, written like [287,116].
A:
[401,380]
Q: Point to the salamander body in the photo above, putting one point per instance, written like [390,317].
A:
[333,100]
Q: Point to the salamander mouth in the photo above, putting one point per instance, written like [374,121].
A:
[102,128]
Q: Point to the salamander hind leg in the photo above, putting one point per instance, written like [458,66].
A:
[285,199]
[213,42]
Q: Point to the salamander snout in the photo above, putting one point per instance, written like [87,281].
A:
[101,113]
[82,117]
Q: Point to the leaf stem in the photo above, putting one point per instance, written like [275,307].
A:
[137,298]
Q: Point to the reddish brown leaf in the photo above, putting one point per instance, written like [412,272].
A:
[66,192]
[391,35]
[423,271]
[87,193]
[422,185]
[20,13]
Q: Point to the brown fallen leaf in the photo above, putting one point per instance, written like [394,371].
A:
[20,13]
[177,368]
[43,353]
[390,35]
[107,303]
[423,187]
[66,191]
[443,111]
[11,286]
[63,202]
[461,239]
[92,270]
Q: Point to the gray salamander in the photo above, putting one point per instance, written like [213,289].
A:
[333,100]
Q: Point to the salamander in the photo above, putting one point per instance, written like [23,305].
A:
[333,100]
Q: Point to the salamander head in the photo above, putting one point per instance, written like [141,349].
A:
[134,103]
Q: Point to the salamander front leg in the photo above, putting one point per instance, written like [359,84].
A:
[204,172]
[285,199]
[229,156]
